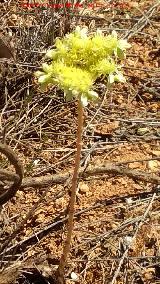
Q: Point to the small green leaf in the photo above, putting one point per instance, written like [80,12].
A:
[120,53]
[52,54]
[119,78]
[75,93]
[111,79]
[123,44]
[84,100]
[43,79]
[82,32]
[92,95]
[68,96]
[47,68]
[114,34]
[38,74]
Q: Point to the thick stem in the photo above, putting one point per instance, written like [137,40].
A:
[66,249]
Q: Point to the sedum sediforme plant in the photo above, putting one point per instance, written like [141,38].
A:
[76,61]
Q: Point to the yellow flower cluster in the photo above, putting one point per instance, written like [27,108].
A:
[79,59]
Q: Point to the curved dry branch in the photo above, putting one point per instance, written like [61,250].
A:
[6,175]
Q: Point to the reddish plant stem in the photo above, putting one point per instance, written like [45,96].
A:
[66,249]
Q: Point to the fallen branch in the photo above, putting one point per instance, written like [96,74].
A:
[103,169]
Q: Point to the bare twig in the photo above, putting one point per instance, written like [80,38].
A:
[103,169]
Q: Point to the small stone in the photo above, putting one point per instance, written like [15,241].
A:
[149,273]
[156,153]
[138,186]
[129,201]
[142,131]
[35,162]
[74,276]
[83,187]
[153,166]
[128,240]
[135,165]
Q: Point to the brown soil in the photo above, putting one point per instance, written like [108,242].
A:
[117,223]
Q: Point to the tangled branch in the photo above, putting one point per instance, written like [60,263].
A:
[8,176]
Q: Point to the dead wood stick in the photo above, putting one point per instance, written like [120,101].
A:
[103,169]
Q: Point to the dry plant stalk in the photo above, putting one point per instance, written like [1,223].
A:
[67,245]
